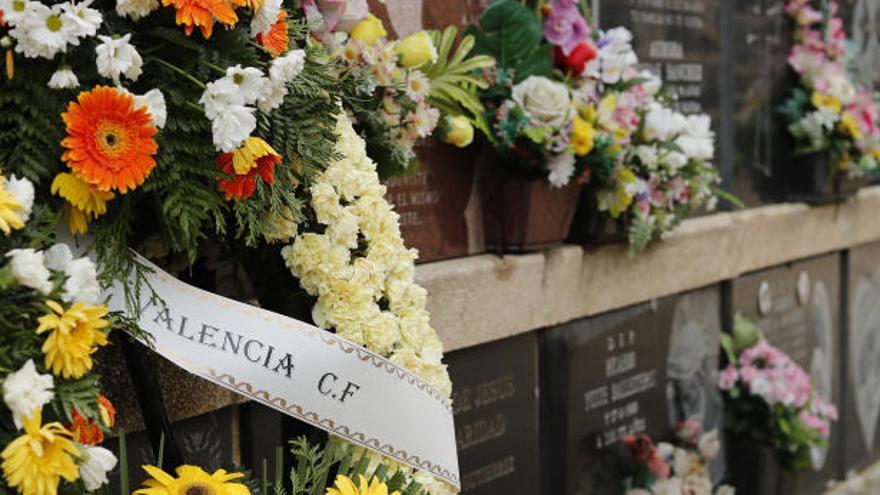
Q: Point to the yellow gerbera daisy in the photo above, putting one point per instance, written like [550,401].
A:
[345,486]
[191,480]
[245,157]
[35,462]
[75,335]
[84,202]
[9,210]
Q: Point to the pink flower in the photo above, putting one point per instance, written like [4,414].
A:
[565,27]
[816,423]
[728,377]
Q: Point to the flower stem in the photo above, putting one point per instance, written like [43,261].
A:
[179,71]
[213,67]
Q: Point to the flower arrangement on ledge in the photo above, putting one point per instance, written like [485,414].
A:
[674,469]
[826,112]
[176,127]
[51,323]
[770,399]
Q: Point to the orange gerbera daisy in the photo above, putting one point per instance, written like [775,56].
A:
[276,40]
[109,141]
[203,13]
[254,157]
[85,431]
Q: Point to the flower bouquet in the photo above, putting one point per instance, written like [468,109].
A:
[769,399]
[669,469]
[192,132]
[832,121]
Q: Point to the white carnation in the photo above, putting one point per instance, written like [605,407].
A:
[136,9]
[154,100]
[116,57]
[561,168]
[285,69]
[25,391]
[29,269]
[272,97]
[85,19]
[63,78]
[231,126]
[81,285]
[97,462]
[57,257]
[265,17]
[23,192]
[219,95]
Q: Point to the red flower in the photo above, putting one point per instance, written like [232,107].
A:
[85,431]
[242,186]
[577,59]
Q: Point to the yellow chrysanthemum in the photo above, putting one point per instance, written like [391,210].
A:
[191,480]
[345,486]
[9,210]
[75,335]
[588,113]
[35,462]
[850,126]
[244,159]
[582,137]
[84,202]
[820,100]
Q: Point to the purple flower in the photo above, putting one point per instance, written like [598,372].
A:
[565,26]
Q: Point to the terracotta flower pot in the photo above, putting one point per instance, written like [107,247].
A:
[524,215]
[812,179]
[592,227]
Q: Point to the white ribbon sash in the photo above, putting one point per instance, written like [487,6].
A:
[302,371]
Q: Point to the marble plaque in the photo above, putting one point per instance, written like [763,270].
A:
[861,413]
[797,307]
[495,401]
[641,369]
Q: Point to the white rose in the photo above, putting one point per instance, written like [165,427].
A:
[544,101]
[30,270]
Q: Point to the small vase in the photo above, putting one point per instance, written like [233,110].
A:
[813,179]
[526,215]
[753,468]
[592,227]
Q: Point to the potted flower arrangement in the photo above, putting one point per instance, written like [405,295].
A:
[190,132]
[674,468]
[832,122]
[773,415]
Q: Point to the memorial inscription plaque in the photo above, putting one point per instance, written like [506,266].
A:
[861,411]
[797,307]
[495,402]
[640,369]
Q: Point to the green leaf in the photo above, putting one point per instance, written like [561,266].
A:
[510,32]
[745,333]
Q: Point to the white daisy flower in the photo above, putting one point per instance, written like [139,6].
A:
[63,78]
[85,19]
[117,57]
[136,9]
[249,80]
[265,17]
[44,31]
[231,126]
[14,11]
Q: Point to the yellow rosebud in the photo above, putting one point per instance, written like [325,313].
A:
[582,137]
[820,100]
[368,30]
[416,50]
[849,125]
[456,131]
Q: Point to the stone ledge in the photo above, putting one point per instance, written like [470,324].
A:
[864,482]
[483,298]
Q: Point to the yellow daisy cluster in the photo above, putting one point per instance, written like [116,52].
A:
[191,479]
[74,335]
[349,200]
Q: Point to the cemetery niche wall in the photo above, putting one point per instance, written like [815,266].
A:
[641,369]
[797,308]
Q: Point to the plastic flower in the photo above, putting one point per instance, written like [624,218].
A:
[191,479]
[11,209]
[84,202]
[255,157]
[203,13]
[457,131]
[109,140]
[276,39]
[75,334]
[29,269]
[25,391]
[582,136]
[345,486]
[368,30]
[35,462]
[97,462]
[416,50]
[116,56]
[63,78]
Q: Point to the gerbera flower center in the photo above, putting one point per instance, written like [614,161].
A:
[110,137]
[198,489]
[53,22]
